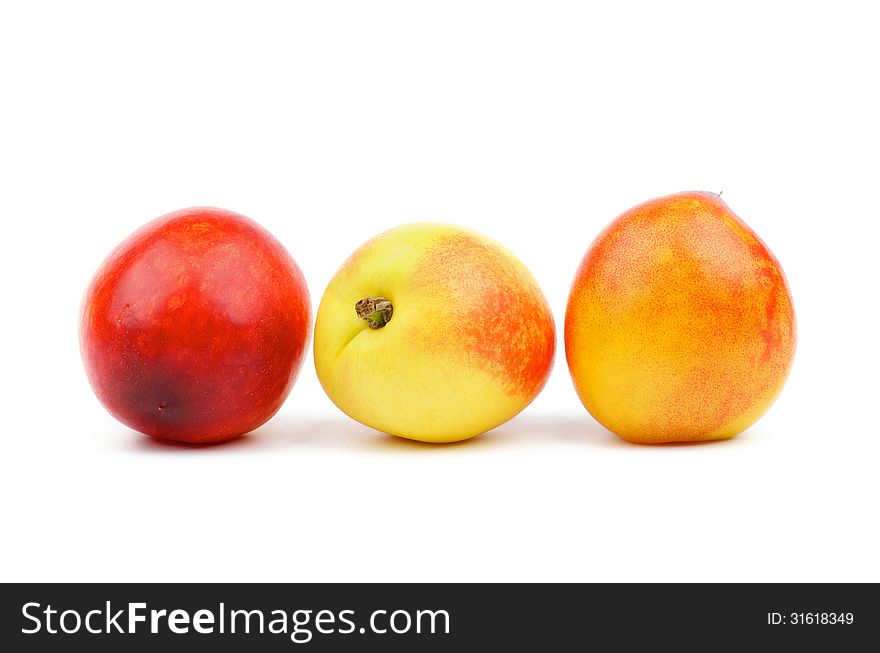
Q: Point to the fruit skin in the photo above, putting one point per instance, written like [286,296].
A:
[680,325]
[470,342]
[194,328]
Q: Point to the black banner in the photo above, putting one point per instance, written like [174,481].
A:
[433,617]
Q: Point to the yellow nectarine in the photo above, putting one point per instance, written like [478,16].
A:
[433,332]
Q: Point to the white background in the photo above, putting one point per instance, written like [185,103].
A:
[536,123]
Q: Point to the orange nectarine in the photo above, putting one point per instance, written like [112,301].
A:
[680,325]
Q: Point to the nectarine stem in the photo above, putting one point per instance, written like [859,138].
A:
[376,311]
